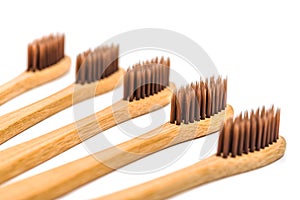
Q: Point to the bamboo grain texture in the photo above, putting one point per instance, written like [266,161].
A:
[208,170]
[56,182]
[23,157]
[28,80]
[17,121]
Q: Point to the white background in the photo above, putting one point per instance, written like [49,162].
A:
[255,43]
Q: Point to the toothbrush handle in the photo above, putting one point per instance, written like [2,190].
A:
[14,87]
[166,186]
[22,157]
[28,80]
[17,121]
[65,178]
[13,123]
[208,170]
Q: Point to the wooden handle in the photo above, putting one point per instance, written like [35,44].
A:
[205,171]
[160,138]
[17,121]
[29,80]
[56,182]
[22,157]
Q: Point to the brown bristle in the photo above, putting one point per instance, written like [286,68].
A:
[198,101]
[244,134]
[203,100]
[173,109]
[97,64]
[146,79]
[247,135]
[45,52]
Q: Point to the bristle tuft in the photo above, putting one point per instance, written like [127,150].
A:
[146,79]
[198,101]
[45,52]
[94,65]
[246,135]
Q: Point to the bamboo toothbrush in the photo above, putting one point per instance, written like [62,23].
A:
[46,61]
[151,95]
[244,144]
[97,73]
[201,101]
